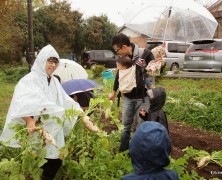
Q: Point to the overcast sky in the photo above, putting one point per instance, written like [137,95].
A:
[112,8]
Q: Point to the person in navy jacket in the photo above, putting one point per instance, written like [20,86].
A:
[149,151]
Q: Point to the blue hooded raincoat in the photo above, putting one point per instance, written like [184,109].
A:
[149,150]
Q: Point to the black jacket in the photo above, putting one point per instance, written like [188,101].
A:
[139,91]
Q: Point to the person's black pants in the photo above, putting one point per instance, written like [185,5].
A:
[50,168]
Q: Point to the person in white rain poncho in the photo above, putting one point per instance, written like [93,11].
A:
[40,93]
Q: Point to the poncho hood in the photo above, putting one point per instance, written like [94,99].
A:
[32,93]
[150,148]
[40,62]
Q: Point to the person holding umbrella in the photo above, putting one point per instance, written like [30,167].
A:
[36,94]
[83,98]
[80,90]
[135,99]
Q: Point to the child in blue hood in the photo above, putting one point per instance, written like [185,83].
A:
[149,151]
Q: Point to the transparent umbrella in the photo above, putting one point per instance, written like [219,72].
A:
[69,69]
[171,20]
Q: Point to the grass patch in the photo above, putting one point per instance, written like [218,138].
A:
[6,92]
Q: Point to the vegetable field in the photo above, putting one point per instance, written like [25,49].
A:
[191,104]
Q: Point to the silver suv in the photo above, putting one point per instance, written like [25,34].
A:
[174,53]
[204,55]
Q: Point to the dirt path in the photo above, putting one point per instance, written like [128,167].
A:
[183,136]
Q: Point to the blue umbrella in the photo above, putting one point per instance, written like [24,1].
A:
[79,85]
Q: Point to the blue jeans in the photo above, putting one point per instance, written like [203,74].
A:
[130,109]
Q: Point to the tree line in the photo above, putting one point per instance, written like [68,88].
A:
[56,24]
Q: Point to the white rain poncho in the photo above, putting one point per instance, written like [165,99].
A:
[32,94]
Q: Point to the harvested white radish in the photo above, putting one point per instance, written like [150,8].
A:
[89,125]
[108,110]
[111,102]
[48,137]
[204,161]
[107,113]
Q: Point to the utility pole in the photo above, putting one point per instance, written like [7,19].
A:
[30,35]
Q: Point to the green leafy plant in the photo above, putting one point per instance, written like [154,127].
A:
[97,70]
[180,166]
[203,158]
[200,106]
[15,74]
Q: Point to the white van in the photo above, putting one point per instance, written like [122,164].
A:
[175,53]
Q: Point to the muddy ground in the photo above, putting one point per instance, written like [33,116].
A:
[182,136]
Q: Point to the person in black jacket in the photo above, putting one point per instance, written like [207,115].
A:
[136,98]
[156,113]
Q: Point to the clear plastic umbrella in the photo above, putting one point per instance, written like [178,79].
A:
[171,20]
[69,69]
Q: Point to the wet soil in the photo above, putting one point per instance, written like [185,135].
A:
[182,136]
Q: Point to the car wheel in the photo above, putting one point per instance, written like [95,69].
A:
[174,67]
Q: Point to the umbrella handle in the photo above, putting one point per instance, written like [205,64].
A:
[169,12]
[167,24]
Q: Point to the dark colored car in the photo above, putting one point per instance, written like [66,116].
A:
[204,55]
[100,57]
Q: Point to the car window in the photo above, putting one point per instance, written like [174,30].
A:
[202,46]
[85,55]
[151,45]
[182,48]
[92,54]
[109,54]
[172,47]
[99,55]
[218,45]
[177,47]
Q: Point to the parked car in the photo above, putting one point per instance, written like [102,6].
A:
[174,53]
[204,55]
[101,57]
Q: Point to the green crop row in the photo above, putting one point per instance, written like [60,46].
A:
[195,102]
